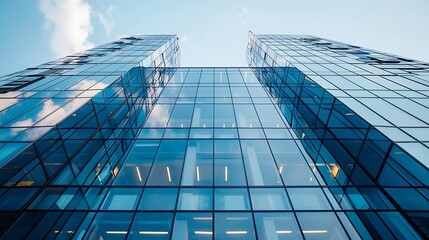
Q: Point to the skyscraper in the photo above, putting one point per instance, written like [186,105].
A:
[314,140]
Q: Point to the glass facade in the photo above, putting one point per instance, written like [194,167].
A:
[362,116]
[118,142]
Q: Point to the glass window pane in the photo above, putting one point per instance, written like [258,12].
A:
[174,133]
[109,225]
[151,226]
[45,225]
[222,92]
[224,115]
[170,91]
[251,133]
[269,116]
[201,133]
[205,92]
[138,163]
[159,116]
[277,226]
[234,76]
[225,133]
[260,167]
[198,169]
[193,226]
[321,225]
[158,199]
[409,199]
[308,199]
[193,77]
[49,199]
[234,226]
[229,169]
[181,116]
[188,92]
[167,168]
[203,116]
[269,199]
[231,199]
[257,91]
[239,92]
[15,198]
[207,76]
[274,133]
[195,199]
[246,116]
[398,225]
[151,133]
[23,225]
[121,199]
[221,76]
[292,165]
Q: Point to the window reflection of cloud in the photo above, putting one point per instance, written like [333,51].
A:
[159,116]
[83,85]
[52,113]
[5,103]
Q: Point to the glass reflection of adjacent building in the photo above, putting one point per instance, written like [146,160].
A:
[118,142]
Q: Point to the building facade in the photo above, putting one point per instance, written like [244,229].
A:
[313,140]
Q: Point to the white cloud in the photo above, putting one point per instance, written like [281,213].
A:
[70,23]
[106,18]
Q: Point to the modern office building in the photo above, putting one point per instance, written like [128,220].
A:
[315,139]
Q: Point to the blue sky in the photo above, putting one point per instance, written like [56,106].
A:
[212,33]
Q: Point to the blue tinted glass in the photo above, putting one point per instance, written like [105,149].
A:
[181,116]
[269,116]
[291,163]
[121,199]
[225,133]
[203,115]
[201,133]
[109,226]
[228,164]
[205,92]
[137,165]
[193,226]
[321,225]
[15,198]
[151,133]
[158,199]
[159,116]
[277,133]
[24,225]
[234,226]
[269,199]
[198,167]
[260,166]
[277,226]
[195,199]
[167,167]
[231,199]
[409,199]
[224,116]
[172,133]
[308,199]
[246,116]
[188,92]
[151,226]
[222,92]
[251,133]
[54,198]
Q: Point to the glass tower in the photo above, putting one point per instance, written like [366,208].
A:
[118,142]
